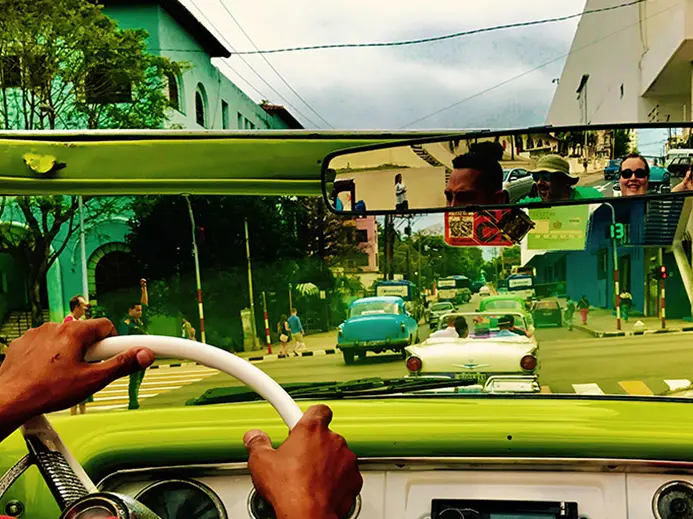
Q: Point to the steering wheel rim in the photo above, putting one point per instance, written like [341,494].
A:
[210,356]
[39,433]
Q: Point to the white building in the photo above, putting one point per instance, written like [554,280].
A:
[629,64]
[633,64]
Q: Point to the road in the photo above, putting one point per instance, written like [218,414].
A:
[571,362]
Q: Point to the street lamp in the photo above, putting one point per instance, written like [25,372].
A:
[617,290]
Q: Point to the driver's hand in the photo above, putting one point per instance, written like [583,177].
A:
[45,368]
[312,474]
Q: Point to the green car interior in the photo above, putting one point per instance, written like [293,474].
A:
[594,444]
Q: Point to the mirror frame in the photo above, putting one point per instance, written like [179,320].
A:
[471,134]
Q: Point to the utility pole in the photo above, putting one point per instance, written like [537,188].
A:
[250,283]
[197,272]
[83,248]
[617,290]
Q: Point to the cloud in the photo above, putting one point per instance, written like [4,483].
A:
[389,87]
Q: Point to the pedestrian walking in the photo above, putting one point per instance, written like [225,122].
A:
[626,304]
[78,311]
[584,308]
[296,329]
[284,335]
[136,324]
[569,313]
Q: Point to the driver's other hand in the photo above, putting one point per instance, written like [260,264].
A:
[46,371]
[686,184]
[312,474]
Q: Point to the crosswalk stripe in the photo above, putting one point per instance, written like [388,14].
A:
[587,389]
[635,387]
[545,389]
[677,384]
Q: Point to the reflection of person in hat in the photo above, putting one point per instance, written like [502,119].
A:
[555,182]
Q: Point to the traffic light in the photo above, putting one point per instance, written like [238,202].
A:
[662,272]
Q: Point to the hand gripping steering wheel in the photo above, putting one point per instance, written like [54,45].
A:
[76,495]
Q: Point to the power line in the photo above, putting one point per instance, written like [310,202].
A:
[444,37]
[526,73]
[228,11]
[255,71]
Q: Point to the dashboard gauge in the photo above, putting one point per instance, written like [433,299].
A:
[674,501]
[182,499]
[261,509]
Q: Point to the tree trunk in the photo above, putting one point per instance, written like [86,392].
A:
[35,302]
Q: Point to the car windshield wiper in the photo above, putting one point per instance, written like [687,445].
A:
[334,390]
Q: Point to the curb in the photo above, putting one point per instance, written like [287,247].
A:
[262,358]
[600,335]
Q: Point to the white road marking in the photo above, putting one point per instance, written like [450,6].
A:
[677,384]
[588,389]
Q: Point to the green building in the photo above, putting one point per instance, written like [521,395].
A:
[201,98]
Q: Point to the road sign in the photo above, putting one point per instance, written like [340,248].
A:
[475,230]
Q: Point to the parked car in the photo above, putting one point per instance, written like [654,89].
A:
[482,355]
[518,183]
[612,168]
[436,310]
[376,324]
[547,311]
[678,166]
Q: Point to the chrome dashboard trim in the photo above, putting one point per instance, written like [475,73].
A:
[428,463]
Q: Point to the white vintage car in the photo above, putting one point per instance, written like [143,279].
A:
[486,353]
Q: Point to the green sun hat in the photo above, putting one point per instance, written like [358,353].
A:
[554,164]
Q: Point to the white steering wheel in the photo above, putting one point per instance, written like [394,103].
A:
[40,429]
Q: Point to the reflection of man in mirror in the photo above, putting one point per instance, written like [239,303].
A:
[555,182]
[477,177]
[401,202]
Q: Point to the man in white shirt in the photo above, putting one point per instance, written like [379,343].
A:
[450,331]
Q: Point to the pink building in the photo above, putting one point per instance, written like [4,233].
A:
[367,236]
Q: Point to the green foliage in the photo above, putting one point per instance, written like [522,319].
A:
[46,225]
[65,65]
[292,240]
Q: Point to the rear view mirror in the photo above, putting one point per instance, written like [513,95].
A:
[518,168]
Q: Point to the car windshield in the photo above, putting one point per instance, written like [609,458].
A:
[293,296]
[507,304]
[374,308]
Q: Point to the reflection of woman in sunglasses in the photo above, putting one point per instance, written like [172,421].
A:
[634,176]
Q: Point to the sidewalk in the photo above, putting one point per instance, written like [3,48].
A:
[316,344]
[602,323]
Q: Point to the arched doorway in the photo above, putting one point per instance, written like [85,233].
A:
[115,271]
[113,279]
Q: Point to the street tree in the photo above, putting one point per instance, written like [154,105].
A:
[48,225]
[65,65]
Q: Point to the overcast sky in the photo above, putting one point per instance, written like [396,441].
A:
[389,88]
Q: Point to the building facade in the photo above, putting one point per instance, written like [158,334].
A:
[201,98]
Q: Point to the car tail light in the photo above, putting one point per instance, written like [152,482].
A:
[414,364]
[528,362]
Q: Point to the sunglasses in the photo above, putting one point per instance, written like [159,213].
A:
[639,173]
[541,175]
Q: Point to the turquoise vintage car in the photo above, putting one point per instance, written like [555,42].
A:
[376,324]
